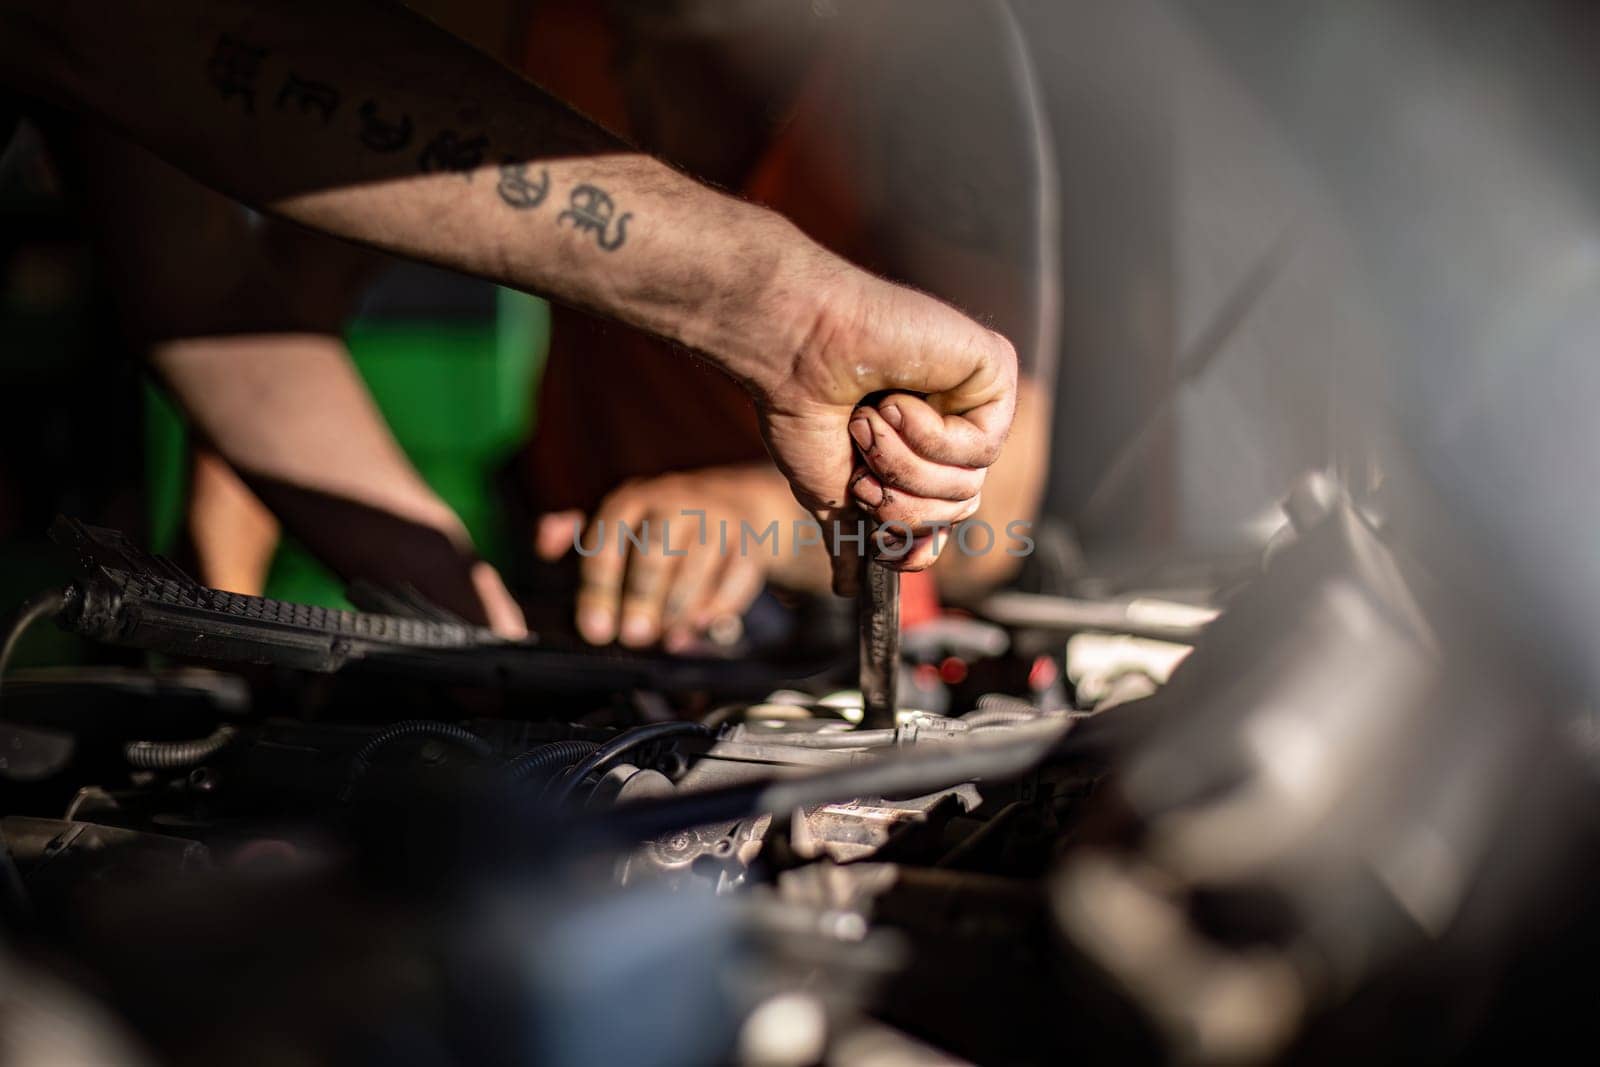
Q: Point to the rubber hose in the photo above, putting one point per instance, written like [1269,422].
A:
[548,759]
[361,762]
[174,755]
[609,752]
[43,606]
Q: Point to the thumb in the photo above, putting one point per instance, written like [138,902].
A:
[555,534]
[815,453]
[844,531]
[505,617]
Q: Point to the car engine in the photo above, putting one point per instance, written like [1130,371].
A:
[1252,812]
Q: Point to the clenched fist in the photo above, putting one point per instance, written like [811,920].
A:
[915,457]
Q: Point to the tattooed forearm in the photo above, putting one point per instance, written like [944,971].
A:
[381,135]
[310,96]
[451,152]
[233,69]
[520,191]
[592,210]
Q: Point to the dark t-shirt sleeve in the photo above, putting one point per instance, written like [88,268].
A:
[958,170]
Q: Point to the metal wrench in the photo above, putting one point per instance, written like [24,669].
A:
[878,612]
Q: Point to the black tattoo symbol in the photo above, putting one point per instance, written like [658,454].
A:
[233,69]
[448,151]
[381,136]
[592,210]
[519,190]
[310,95]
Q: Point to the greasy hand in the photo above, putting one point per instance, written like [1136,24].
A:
[642,597]
[912,459]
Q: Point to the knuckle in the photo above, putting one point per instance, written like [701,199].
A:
[644,570]
[988,453]
[897,510]
[590,601]
[636,603]
[1005,351]
[891,470]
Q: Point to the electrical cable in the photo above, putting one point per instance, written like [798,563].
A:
[175,755]
[548,759]
[43,606]
[611,750]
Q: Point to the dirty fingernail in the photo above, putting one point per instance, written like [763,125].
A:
[595,625]
[868,491]
[861,430]
[892,415]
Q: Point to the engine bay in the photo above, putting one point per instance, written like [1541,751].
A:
[1256,820]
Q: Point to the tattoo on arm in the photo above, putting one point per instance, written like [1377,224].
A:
[310,96]
[379,134]
[450,151]
[591,210]
[233,69]
[520,191]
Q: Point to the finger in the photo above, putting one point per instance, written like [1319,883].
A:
[555,534]
[812,448]
[897,466]
[738,583]
[844,552]
[922,553]
[918,513]
[971,438]
[814,451]
[505,618]
[692,587]
[600,588]
[645,585]
[846,575]
[598,605]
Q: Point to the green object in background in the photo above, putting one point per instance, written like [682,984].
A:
[166,467]
[459,396]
